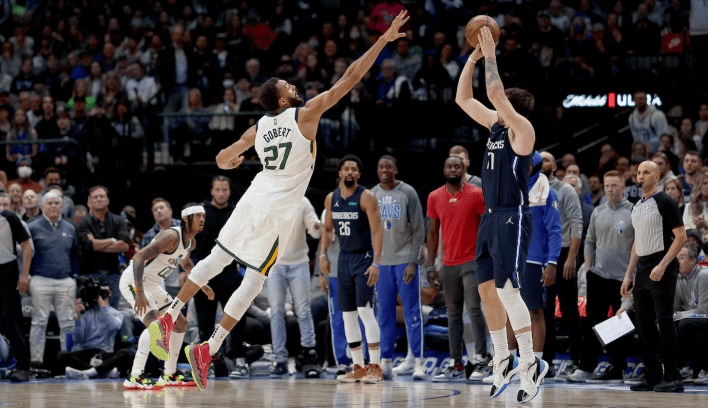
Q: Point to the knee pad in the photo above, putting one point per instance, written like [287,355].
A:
[351,327]
[516,309]
[210,266]
[241,300]
[373,332]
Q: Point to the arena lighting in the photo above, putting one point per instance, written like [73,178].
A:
[610,100]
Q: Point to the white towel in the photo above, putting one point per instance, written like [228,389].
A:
[539,192]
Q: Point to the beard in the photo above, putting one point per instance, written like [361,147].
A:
[296,101]
[349,182]
[548,173]
[454,180]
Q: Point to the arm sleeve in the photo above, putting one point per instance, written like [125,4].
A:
[670,213]
[310,219]
[84,241]
[590,238]
[552,220]
[112,318]
[122,234]
[415,217]
[574,212]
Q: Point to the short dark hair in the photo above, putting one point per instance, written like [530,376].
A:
[391,158]
[269,95]
[219,178]
[661,155]
[456,157]
[350,157]
[50,170]
[692,153]
[63,115]
[94,188]
[160,200]
[55,186]
[460,150]
[521,100]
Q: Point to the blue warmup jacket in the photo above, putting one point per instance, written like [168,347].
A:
[547,238]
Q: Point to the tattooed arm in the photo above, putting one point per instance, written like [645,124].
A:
[478,112]
[165,241]
[521,135]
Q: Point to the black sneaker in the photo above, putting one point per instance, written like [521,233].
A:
[611,375]
[279,370]
[20,375]
[309,363]
[642,386]
[669,386]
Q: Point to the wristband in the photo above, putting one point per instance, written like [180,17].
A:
[323,256]
[431,268]
[471,60]
[114,240]
[376,265]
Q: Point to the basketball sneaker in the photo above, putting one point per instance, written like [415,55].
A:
[373,375]
[502,372]
[200,360]
[481,368]
[531,378]
[239,372]
[387,370]
[419,370]
[141,382]
[74,374]
[453,372]
[160,331]
[358,372]
[176,380]
[405,367]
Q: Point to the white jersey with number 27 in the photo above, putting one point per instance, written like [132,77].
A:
[288,160]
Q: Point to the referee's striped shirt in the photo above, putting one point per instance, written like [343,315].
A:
[12,232]
[654,220]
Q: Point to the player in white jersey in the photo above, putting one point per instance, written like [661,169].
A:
[263,219]
[140,286]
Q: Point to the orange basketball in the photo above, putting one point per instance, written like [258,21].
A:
[474,26]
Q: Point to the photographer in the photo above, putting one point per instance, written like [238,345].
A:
[94,334]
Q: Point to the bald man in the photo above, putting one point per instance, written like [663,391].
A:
[660,235]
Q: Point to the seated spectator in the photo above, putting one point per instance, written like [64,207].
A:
[27,79]
[111,92]
[30,202]
[141,89]
[95,79]
[596,190]
[80,212]
[696,213]
[677,39]
[622,165]
[404,62]
[574,170]
[665,173]
[67,155]
[24,172]
[253,72]
[702,122]
[10,60]
[669,148]
[392,89]
[674,190]
[21,131]
[312,73]
[644,38]
[691,300]
[55,263]
[558,19]
[225,123]
[434,80]
[94,335]
[691,163]
[189,133]
[608,160]
[383,14]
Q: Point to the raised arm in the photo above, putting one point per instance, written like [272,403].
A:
[478,112]
[522,135]
[314,108]
[230,158]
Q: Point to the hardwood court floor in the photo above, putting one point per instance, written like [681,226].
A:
[296,393]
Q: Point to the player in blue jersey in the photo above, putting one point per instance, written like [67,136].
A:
[506,226]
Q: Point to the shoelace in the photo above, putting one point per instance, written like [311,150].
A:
[527,375]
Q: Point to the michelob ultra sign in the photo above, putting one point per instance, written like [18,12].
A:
[610,100]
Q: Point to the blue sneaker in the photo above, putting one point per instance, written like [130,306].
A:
[503,372]
[531,378]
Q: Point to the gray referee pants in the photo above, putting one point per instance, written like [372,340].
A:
[460,287]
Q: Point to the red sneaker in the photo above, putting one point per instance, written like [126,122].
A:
[200,360]
[160,331]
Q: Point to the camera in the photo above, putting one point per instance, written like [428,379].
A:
[91,288]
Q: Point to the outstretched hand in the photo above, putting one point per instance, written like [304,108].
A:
[487,42]
[231,164]
[392,34]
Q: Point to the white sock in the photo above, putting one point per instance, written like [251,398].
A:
[501,347]
[538,354]
[513,352]
[375,355]
[525,342]
[91,372]
[410,355]
[142,354]
[358,356]
[216,339]
[175,349]
[175,308]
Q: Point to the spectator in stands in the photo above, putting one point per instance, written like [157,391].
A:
[644,38]
[677,39]
[688,134]
[13,285]
[108,62]
[566,282]
[696,213]
[80,212]
[702,122]
[162,213]
[608,247]
[21,131]
[250,105]
[549,35]
[260,34]
[666,174]
[597,192]
[5,80]
[30,202]
[434,80]
[111,92]
[558,19]
[622,165]
[225,123]
[404,62]
[574,170]
[15,191]
[608,160]
[67,155]
[141,89]
[27,80]
[253,72]
[674,190]
[647,123]
[692,163]
[94,335]
[24,172]
[666,146]
[103,235]
[392,90]
[47,125]
[10,61]
[55,263]
[383,14]
[691,300]
[68,204]
[190,131]
[177,74]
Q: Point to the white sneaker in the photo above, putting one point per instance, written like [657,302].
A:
[450,374]
[531,378]
[579,376]
[74,374]
[419,370]
[481,368]
[406,367]
[292,369]
[502,373]
[702,378]
[387,370]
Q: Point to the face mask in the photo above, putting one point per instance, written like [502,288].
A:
[313,44]
[228,83]
[24,171]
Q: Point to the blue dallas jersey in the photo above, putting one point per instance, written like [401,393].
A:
[350,222]
[505,175]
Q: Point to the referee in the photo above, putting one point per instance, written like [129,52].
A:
[660,235]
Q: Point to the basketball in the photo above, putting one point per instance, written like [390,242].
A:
[474,26]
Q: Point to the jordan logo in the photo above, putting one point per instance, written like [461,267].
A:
[509,221]
[336,204]
[367,255]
